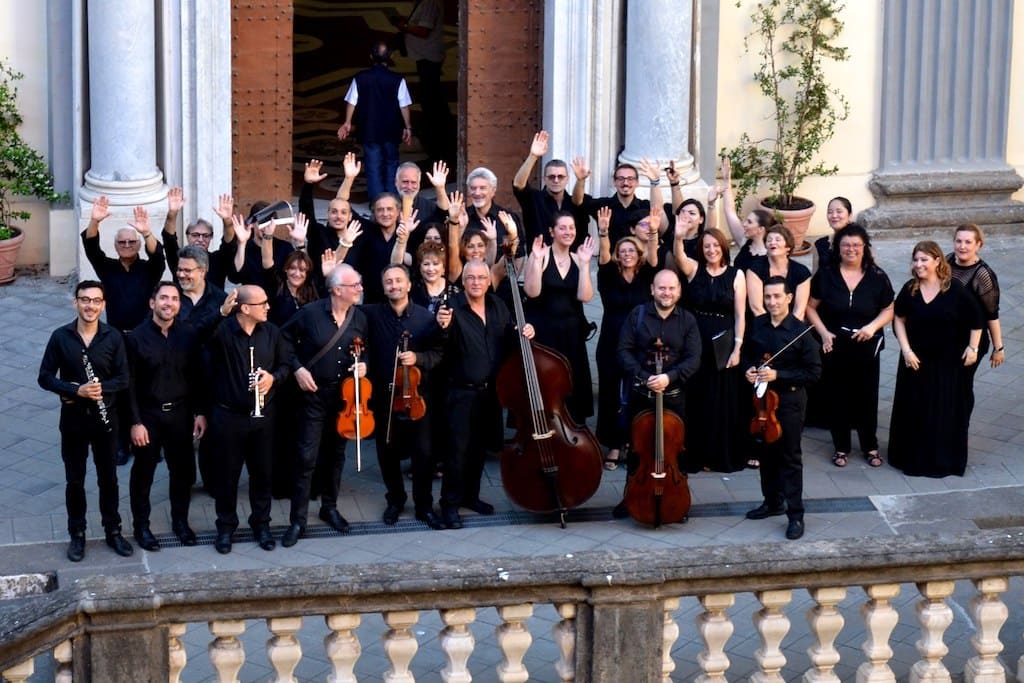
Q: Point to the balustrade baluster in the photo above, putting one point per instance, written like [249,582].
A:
[826,622]
[935,617]
[772,626]
[400,645]
[342,646]
[63,654]
[880,618]
[457,642]
[176,655]
[19,673]
[669,635]
[283,648]
[513,639]
[564,634]
[990,613]
[715,629]
[226,651]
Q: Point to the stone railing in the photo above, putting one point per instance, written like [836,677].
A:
[613,615]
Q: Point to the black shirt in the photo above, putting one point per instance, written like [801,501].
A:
[370,255]
[475,350]
[841,308]
[164,369]
[220,260]
[797,366]
[477,223]
[622,216]
[127,290]
[252,268]
[62,369]
[678,333]
[311,328]
[386,328]
[539,209]
[204,315]
[228,375]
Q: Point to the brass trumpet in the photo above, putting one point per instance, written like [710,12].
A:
[254,376]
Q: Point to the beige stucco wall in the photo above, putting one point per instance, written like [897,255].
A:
[854,148]
[1015,134]
[23,45]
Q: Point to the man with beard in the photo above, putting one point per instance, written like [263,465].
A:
[198,234]
[165,387]
[626,208]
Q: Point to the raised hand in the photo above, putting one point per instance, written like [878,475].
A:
[726,170]
[242,231]
[604,218]
[175,200]
[328,260]
[714,192]
[100,209]
[225,206]
[410,223]
[511,229]
[298,229]
[454,205]
[672,174]
[352,232]
[439,178]
[313,174]
[585,251]
[580,168]
[351,166]
[490,228]
[540,144]
[140,221]
[649,169]
[540,249]
[655,222]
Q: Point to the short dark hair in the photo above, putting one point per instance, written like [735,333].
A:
[197,254]
[386,195]
[779,280]
[160,285]
[90,284]
[395,266]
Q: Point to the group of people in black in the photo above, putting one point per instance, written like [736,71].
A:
[258,376]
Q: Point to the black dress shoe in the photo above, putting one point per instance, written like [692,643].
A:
[795,529]
[76,549]
[146,540]
[291,535]
[620,511]
[120,546]
[184,533]
[763,512]
[223,542]
[391,514]
[334,518]
[264,539]
[480,507]
[451,518]
[430,518]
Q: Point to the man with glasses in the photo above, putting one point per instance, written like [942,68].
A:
[85,365]
[626,208]
[540,206]
[248,360]
[321,336]
[198,234]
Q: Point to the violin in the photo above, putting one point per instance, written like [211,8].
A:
[405,397]
[355,421]
[657,491]
[765,426]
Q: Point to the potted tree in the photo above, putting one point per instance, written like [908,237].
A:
[23,173]
[794,38]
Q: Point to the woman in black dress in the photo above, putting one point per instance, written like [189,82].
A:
[779,243]
[558,284]
[748,233]
[851,303]
[938,326]
[624,280]
[717,297]
[976,275]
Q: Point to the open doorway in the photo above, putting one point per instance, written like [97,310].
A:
[332,40]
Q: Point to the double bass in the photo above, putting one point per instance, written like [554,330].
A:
[657,491]
[555,464]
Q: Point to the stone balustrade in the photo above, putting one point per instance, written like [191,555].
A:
[615,615]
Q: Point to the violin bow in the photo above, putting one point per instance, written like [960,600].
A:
[391,404]
[759,387]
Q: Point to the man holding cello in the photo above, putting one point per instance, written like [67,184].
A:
[781,357]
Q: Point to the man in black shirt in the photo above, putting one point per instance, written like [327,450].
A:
[479,336]
[398,433]
[626,208]
[166,373]
[321,336]
[248,358]
[481,187]
[202,303]
[372,251]
[540,206]
[84,363]
[198,234]
[788,376]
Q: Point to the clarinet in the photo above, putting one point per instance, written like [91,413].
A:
[101,405]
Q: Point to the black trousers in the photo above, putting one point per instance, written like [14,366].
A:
[782,468]
[409,438]
[238,440]
[79,431]
[470,418]
[849,382]
[172,432]
[320,449]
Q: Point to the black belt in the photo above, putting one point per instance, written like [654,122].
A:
[480,386]
[787,389]
[237,411]
[166,407]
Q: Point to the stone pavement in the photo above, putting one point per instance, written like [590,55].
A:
[850,502]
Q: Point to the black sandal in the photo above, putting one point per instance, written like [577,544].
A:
[840,459]
[753,464]
[874,459]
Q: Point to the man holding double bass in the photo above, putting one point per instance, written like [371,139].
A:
[787,376]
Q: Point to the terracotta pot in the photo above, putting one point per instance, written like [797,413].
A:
[9,256]
[796,221]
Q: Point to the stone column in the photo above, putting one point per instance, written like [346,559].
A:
[122,104]
[658,59]
[945,102]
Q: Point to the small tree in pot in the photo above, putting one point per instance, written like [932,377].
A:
[795,38]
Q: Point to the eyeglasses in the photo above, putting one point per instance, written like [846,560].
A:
[625,179]
[201,235]
[95,300]
[354,284]
[554,176]
[854,247]
[265,302]
[475,278]
[127,243]
[187,271]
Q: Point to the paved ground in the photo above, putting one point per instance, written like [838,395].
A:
[850,502]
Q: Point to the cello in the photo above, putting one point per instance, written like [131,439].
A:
[355,421]
[657,491]
[555,464]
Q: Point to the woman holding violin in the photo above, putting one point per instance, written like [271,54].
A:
[851,303]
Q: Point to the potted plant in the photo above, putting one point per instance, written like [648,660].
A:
[23,173]
[795,39]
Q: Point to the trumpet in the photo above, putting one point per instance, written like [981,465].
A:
[254,377]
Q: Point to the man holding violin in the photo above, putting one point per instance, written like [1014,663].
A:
[321,335]
[779,353]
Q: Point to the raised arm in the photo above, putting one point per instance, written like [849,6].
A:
[456,226]
[100,212]
[405,228]
[535,263]
[225,207]
[351,168]
[584,256]
[732,220]
[686,265]
[175,202]
[653,173]
[581,170]
[242,232]
[140,221]
[439,180]
[675,181]
[604,219]
[538,149]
